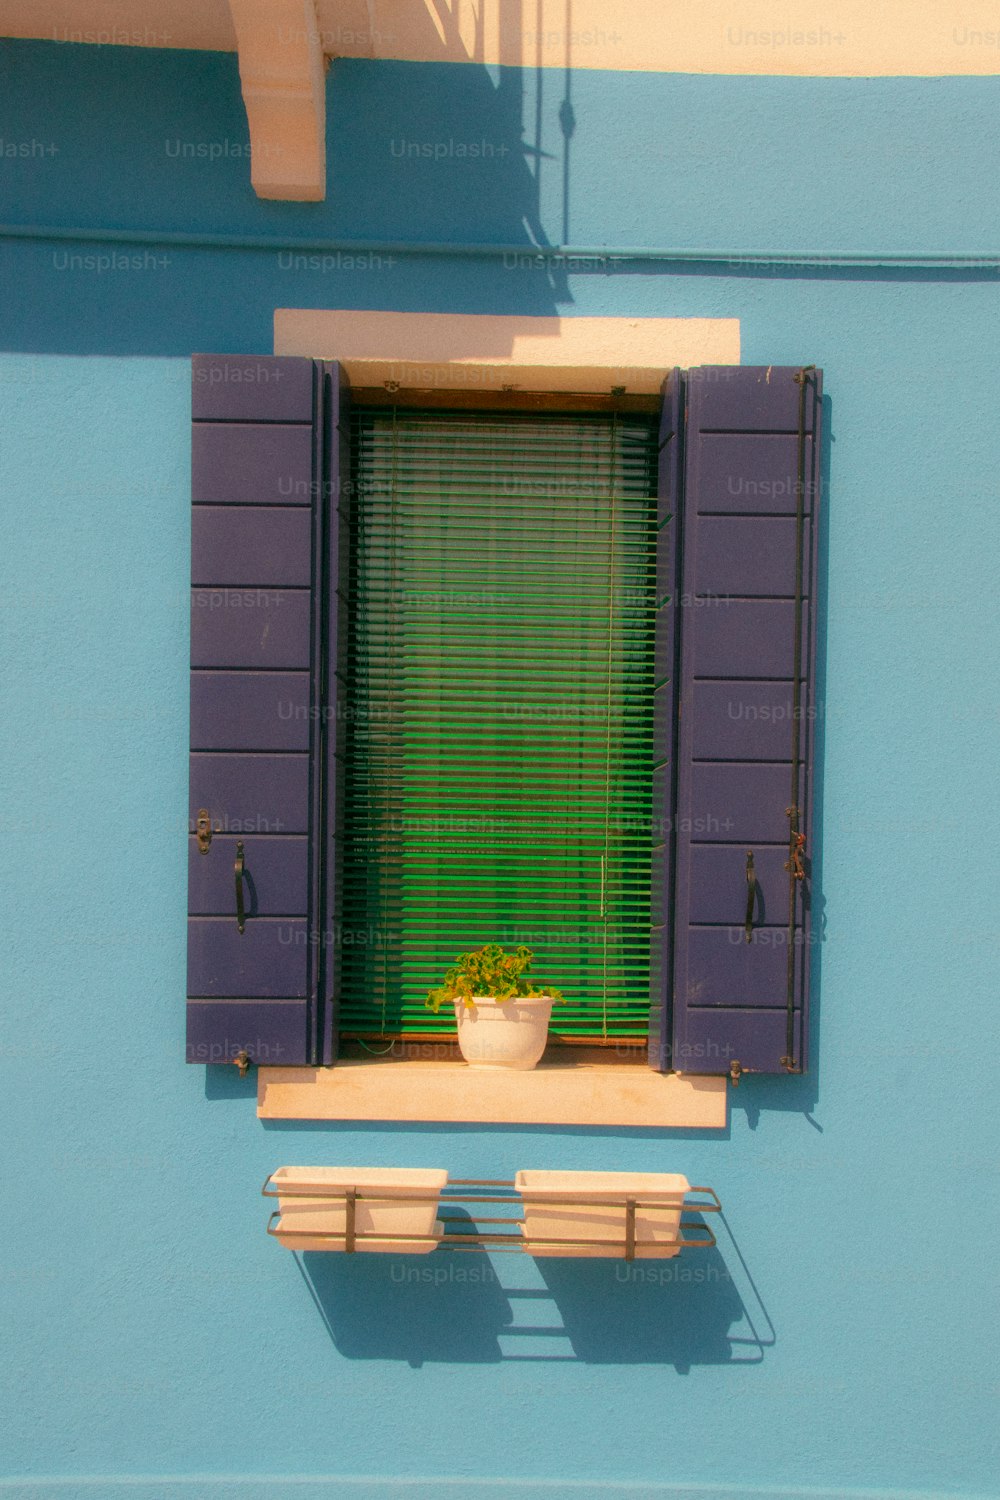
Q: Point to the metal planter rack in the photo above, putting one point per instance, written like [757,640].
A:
[464,1223]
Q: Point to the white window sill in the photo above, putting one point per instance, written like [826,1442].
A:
[555,1093]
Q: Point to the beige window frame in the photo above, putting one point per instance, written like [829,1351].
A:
[517,362]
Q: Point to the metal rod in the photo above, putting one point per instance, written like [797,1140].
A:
[612,254]
[706,1244]
[487,1241]
[507,1182]
[338,1191]
[794,840]
[564,1197]
[500,1233]
[456,1219]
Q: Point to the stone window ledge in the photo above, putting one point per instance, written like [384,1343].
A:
[554,1093]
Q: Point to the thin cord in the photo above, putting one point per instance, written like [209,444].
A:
[607,734]
[392,736]
[794,811]
[600,255]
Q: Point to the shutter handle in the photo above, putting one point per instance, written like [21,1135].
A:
[241,918]
[751,895]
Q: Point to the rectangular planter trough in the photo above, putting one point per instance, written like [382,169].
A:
[589,1212]
[386,1209]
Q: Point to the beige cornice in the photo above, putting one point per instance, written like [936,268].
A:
[282,45]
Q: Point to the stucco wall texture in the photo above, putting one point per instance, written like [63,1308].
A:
[840,1341]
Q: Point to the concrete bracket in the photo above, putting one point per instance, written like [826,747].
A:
[283,78]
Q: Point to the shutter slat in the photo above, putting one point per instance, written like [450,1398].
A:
[744,555]
[259,627]
[744,719]
[252,547]
[266,960]
[268,1031]
[750,472]
[251,387]
[742,638]
[733,974]
[277,876]
[747,399]
[735,800]
[250,710]
[243,464]
[252,793]
[718,886]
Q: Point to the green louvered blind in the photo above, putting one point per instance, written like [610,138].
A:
[499,749]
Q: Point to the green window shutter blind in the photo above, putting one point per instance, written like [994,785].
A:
[498,765]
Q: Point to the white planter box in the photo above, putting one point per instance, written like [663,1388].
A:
[392,1202]
[590,1207]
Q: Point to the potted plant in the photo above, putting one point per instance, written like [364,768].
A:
[502,1018]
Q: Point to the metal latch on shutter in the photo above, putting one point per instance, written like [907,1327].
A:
[203,829]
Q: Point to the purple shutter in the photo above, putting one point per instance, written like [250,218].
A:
[669,482]
[751,442]
[262,677]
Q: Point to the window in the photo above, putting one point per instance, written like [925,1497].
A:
[499,690]
[291,648]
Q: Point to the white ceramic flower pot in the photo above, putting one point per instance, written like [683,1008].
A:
[392,1202]
[589,1207]
[503,1033]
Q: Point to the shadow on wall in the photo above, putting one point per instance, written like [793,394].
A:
[456,33]
[473,1309]
[430,153]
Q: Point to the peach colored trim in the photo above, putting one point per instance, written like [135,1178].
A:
[201,24]
[551,1094]
[282,74]
[842,38]
[452,351]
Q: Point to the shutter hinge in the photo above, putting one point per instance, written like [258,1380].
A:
[203,828]
[242,1060]
[796,845]
[735,1072]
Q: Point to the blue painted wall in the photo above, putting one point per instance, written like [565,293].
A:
[841,1341]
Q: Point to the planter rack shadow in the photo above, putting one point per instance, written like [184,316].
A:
[627,1215]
